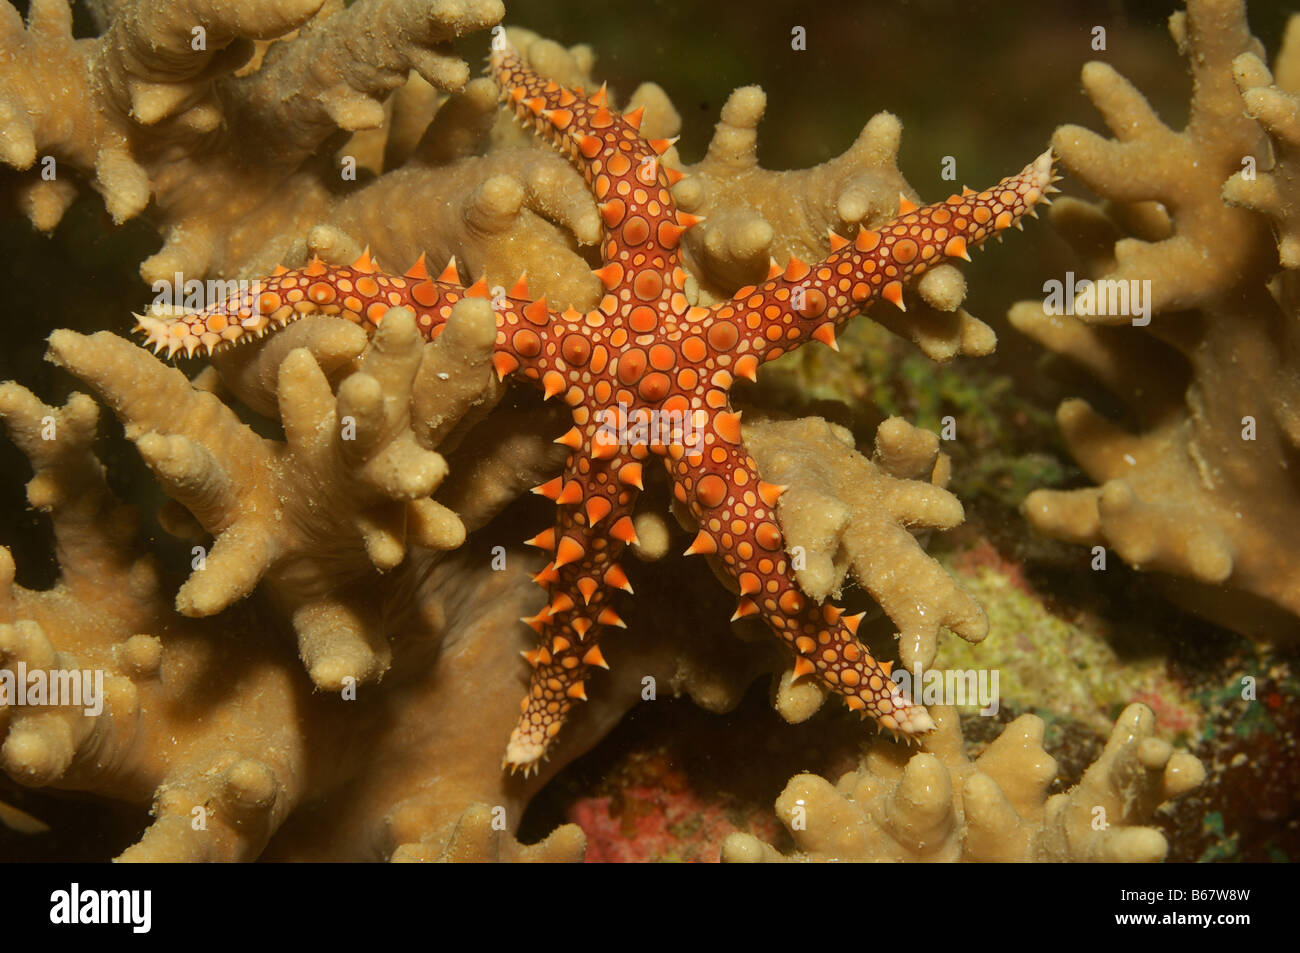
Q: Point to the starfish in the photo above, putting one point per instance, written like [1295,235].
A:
[646,376]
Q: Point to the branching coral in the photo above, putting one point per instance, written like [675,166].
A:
[154,107]
[646,375]
[1207,487]
[341,497]
[108,612]
[1272,100]
[846,511]
[683,363]
[752,220]
[330,536]
[845,514]
[940,805]
[214,713]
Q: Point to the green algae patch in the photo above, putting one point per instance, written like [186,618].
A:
[1058,668]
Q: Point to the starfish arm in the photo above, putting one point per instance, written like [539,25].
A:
[803,302]
[642,227]
[736,514]
[594,499]
[360,293]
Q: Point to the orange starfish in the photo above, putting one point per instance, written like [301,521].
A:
[647,376]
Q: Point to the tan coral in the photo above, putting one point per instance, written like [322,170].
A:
[847,518]
[477,837]
[212,720]
[147,115]
[315,514]
[106,612]
[215,716]
[847,512]
[844,515]
[420,776]
[1273,101]
[231,164]
[939,805]
[754,215]
[413,726]
[1202,487]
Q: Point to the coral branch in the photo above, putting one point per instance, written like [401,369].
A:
[1203,486]
[938,805]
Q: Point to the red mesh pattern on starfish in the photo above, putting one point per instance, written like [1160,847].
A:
[647,375]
